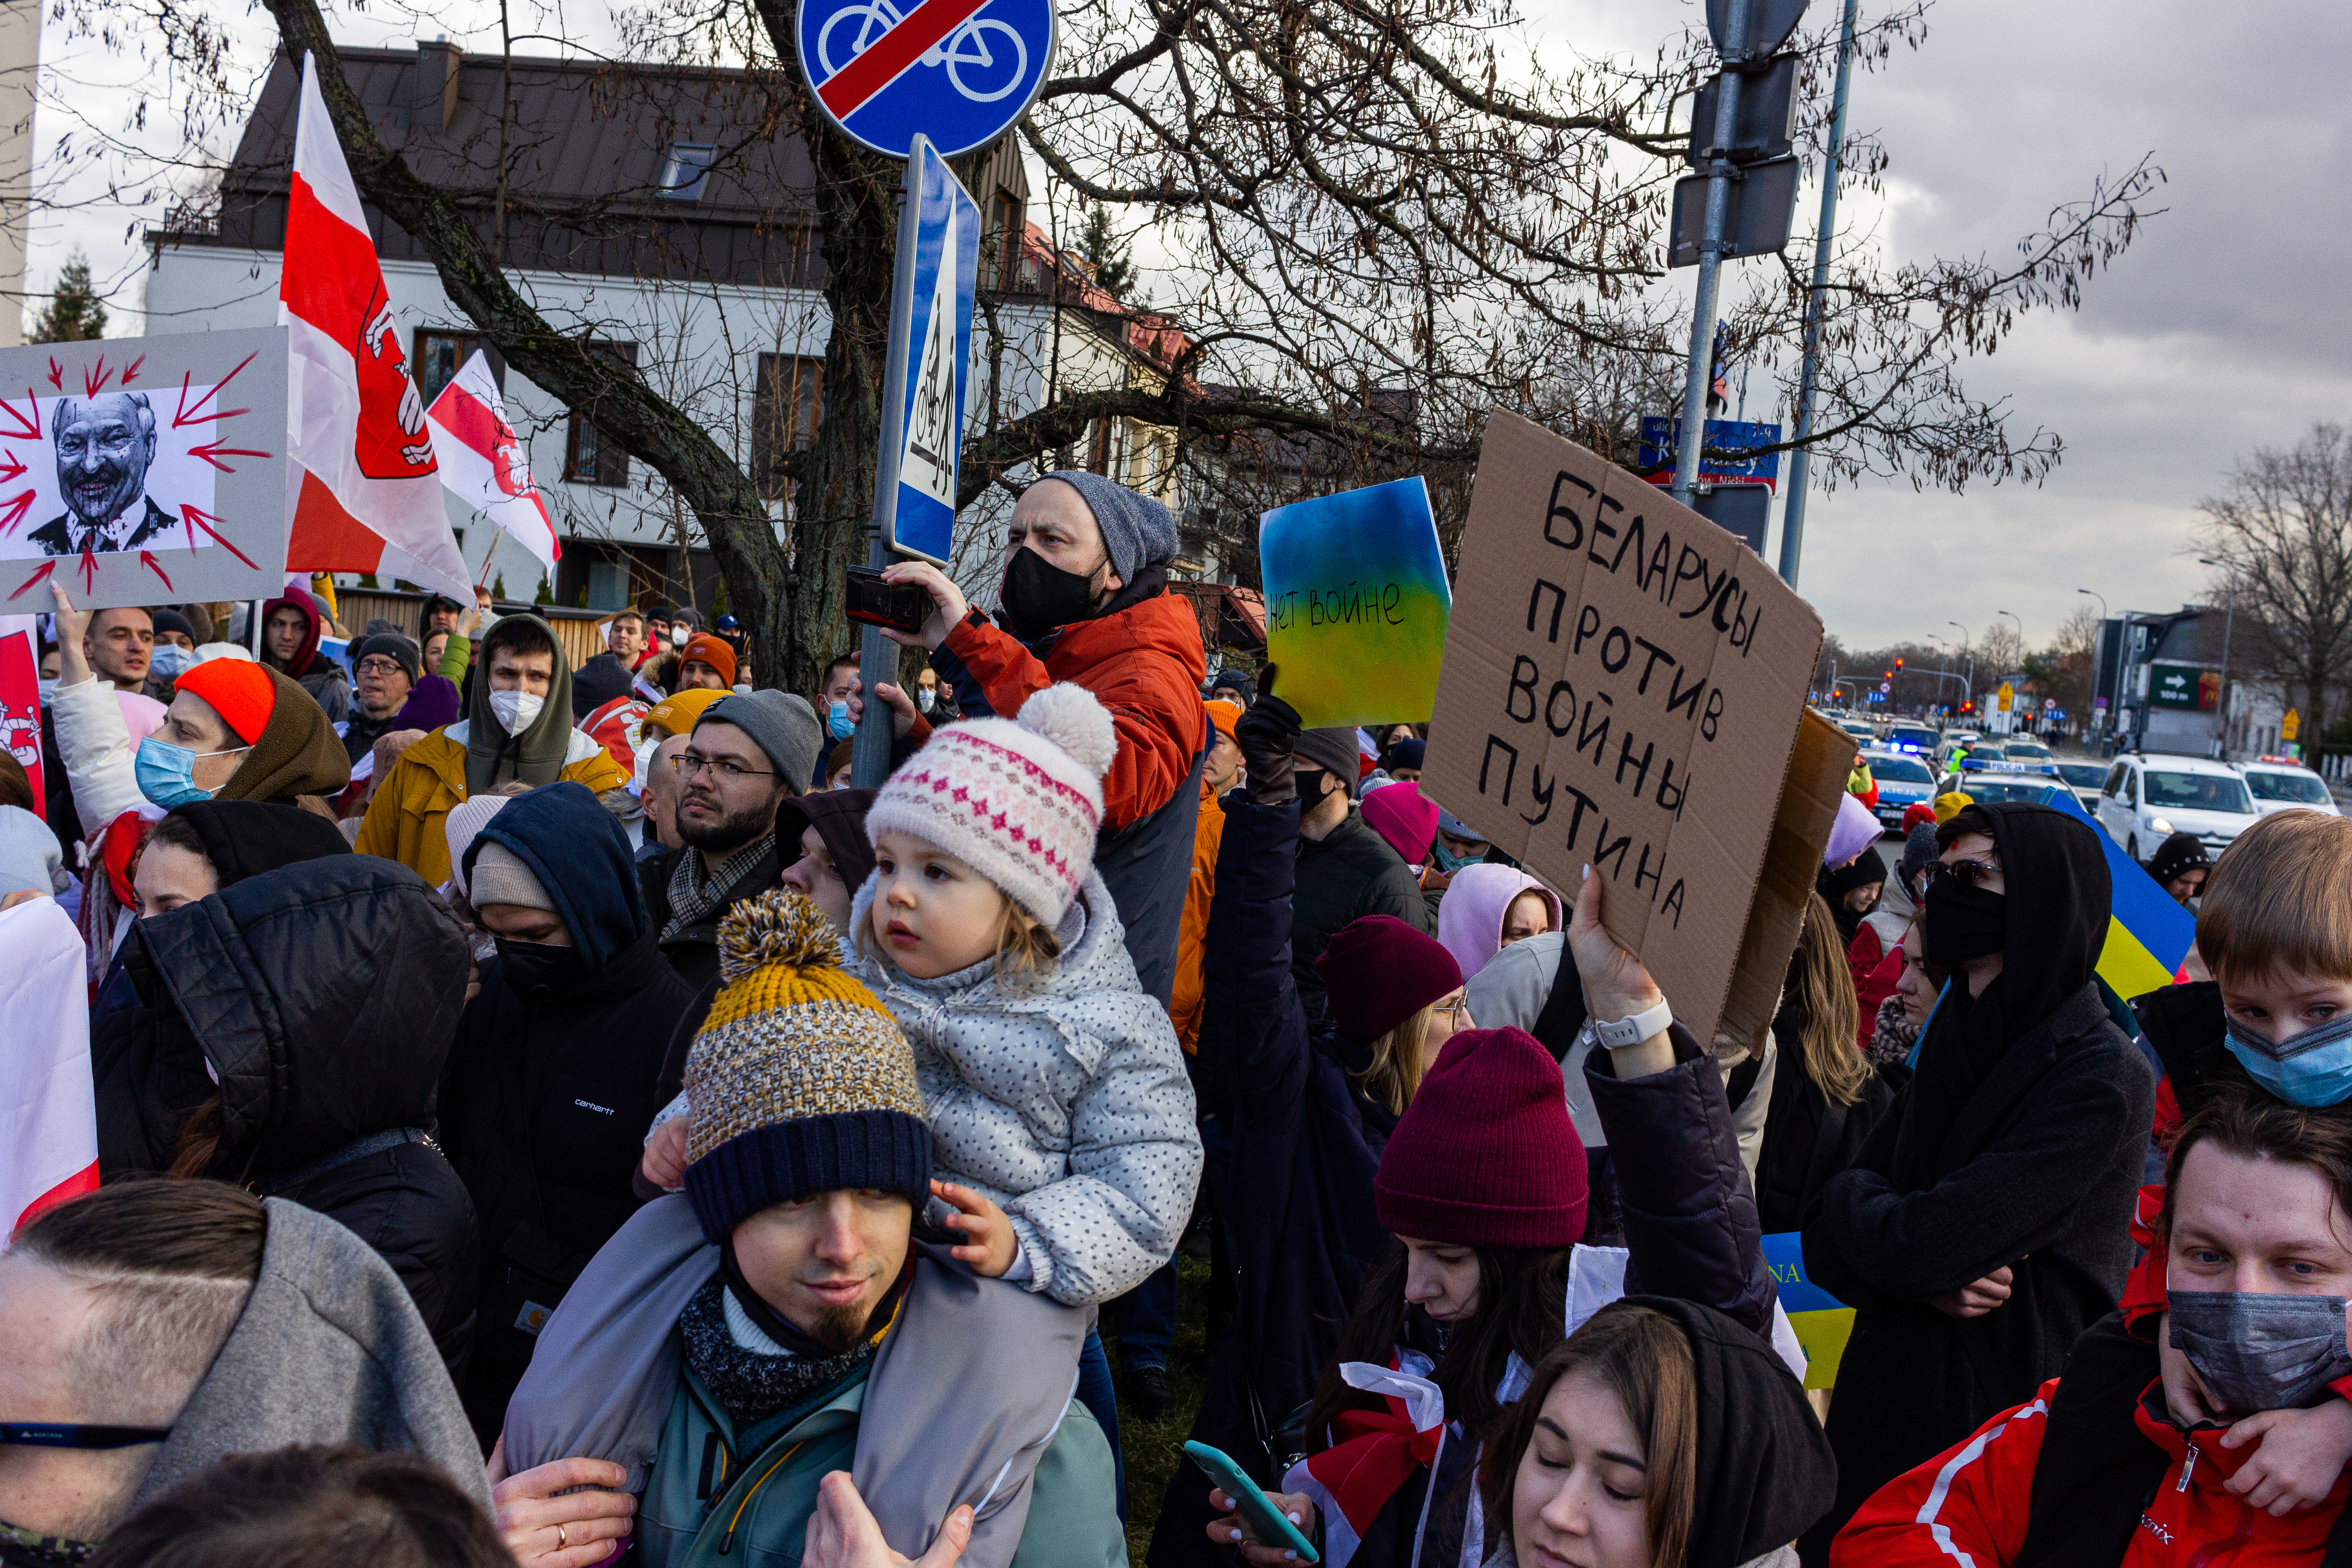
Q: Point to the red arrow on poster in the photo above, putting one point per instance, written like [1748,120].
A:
[211,452]
[27,428]
[15,470]
[46,567]
[147,559]
[197,518]
[187,415]
[13,512]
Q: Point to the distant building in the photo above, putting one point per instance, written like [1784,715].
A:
[20,61]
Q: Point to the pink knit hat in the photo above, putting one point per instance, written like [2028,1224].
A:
[1487,1155]
[1019,801]
[1398,813]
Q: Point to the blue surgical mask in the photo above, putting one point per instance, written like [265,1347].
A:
[167,774]
[1444,859]
[170,661]
[838,723]
[2313,1069]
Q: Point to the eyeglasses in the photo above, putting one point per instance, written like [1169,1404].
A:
[687,764]
[1458,1011]
[379,667]
[1966,873]
[65,1434]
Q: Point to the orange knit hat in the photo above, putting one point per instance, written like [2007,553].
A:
[239,692]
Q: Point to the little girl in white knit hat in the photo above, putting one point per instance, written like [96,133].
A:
[1062,1119]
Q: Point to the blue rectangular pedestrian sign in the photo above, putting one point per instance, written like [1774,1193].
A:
[931,351]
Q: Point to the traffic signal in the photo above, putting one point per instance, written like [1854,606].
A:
[1968,707]
[1898,664]
[1890,674]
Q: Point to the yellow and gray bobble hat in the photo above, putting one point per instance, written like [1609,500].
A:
[800,1081]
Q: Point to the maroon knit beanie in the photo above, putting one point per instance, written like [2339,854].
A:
[1487,1155]
[1379,972]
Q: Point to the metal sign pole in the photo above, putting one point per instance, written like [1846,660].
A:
[1734,48]
[869,759]
[1793,513]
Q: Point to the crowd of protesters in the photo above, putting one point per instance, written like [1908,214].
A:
[543,1114]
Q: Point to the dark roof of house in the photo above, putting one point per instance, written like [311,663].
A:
[589,145]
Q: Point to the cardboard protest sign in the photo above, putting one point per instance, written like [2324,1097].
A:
[1625,687]
[138,471]
[1356,604]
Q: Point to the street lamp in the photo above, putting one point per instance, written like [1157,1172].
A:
[2014,616]
[1967,653]
[2104,618]
[2229,615]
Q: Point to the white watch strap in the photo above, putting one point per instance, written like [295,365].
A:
[1632,1031]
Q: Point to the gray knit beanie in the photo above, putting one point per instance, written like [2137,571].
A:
[781,723]
[1137,530]
[501,878]
[1919,851]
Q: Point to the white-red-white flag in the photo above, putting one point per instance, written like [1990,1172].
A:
[48,1110]
[362,486]
[482,460]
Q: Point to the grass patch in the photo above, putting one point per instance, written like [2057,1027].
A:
[1154,1448]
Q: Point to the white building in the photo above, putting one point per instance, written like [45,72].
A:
[665,215]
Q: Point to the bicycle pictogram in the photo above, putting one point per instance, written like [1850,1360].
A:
[995,70]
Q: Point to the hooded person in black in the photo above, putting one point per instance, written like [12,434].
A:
[242,838]
[1865,870]
[286,1034]
[549,1086]
[1983,1225]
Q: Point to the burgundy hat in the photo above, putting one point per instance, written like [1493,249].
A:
[1487,1155]
[1380,972]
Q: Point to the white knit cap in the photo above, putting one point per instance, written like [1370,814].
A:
[465,819]
[1019,801]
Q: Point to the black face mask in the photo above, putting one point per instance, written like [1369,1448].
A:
[1963,924]
[1040,595]
[536,968]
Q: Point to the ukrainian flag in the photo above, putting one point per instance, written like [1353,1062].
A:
[2148,934]
[1823,1324]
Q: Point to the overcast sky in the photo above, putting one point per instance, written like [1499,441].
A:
[2227,325]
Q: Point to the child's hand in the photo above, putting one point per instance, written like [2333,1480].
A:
[2302,1453]
[988,1235]
[665,1162]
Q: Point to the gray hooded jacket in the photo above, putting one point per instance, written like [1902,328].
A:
[329,1350]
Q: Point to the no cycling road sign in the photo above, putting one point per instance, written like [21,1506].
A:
[957,72]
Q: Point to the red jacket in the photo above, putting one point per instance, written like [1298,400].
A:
[1970,1505]
[1144,663]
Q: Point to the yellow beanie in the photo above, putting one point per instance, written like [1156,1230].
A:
[799,1079]
[1948,806]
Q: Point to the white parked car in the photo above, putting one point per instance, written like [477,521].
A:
[2281,784]
[2149,798]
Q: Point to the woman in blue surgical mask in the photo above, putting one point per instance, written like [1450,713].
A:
[2217,1427]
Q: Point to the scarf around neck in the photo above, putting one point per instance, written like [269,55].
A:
[693,896]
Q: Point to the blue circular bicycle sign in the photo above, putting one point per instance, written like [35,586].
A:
[957,71]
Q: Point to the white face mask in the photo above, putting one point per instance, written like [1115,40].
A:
[516,709]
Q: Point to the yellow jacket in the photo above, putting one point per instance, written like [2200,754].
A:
[404,815]
[1184,1000]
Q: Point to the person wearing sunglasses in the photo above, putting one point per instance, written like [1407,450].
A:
[1983,1225]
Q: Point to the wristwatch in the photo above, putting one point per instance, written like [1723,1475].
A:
[1632,1031]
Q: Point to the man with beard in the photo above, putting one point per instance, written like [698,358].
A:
[718,1356]
[104,446]
[745,754]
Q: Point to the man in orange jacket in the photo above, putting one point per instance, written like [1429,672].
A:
[1218,775]
[1086,600]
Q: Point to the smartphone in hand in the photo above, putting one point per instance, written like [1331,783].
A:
[901,606]
[1271,1526]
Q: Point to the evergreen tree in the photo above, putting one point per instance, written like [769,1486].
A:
[74,313]
[1113,271]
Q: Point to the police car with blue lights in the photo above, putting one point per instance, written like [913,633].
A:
[1903,781]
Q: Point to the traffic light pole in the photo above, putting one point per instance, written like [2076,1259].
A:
[1792,512]
[1720,175]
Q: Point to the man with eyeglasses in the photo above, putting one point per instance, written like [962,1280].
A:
[386,665]
[1985,1222]
[744,755]
[156,1328]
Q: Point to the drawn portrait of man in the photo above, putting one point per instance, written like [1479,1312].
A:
[104,446]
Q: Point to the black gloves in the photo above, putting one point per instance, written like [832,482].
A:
[1265,734]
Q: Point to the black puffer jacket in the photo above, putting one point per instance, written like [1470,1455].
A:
[550,1089]
[1348,873]
[324,996]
